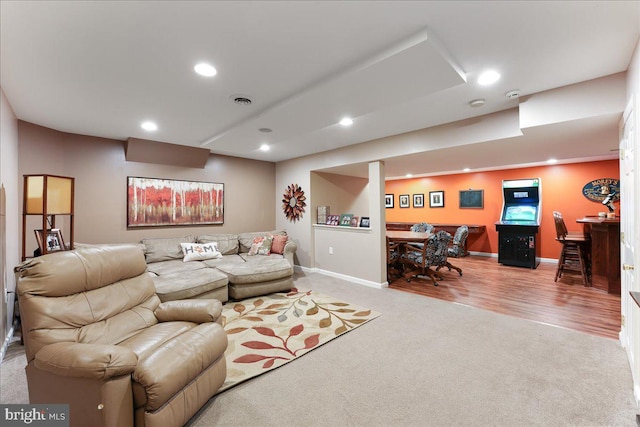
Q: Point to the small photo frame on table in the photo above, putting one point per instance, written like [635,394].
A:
[404,201]
[436,199]
[365,222]
[53,240]
[418,200]
[388,200]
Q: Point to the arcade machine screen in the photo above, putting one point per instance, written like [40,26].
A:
[526,213]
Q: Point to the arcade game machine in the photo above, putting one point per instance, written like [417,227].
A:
[520,223]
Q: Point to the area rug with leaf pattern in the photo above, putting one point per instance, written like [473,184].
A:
[269,331]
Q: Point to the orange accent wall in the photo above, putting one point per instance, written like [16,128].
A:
[561,191]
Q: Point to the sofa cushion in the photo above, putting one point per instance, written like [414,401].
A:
[163,268]
[163,249]
[227,243]
[200,251]
[188,284]
[246,239]
[261,270]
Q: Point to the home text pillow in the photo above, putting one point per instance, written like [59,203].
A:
[277,247]
[261,246]
[199,251]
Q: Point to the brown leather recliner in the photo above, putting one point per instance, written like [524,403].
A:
[98,338]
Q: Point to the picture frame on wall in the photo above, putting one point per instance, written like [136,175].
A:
[156,202]
[418,200]
[53,240]
[471,199]
[436,199]
[404,200]
[388,201]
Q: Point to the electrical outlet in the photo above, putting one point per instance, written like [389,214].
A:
[330,250]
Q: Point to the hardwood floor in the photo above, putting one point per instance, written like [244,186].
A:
[522,292]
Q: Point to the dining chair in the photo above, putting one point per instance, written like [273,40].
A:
[393,259]
[422,227]
[574,255]
[421,257]
[458,249]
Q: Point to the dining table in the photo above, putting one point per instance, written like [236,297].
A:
[401,237]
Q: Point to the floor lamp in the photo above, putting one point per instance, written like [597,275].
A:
[48,196]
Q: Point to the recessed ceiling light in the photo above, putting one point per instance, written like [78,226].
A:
[477,103]
[488,77]
[552,161]
[205,69]
[264,147]
[347,121]
[466,169]
[149,126]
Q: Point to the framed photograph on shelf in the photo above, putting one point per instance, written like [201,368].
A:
[418,200]
[471,199]
[436,199]
[354,221]
[345,220]
[404,200]
[333,219]
[388,200]
[53,240]
[364,222]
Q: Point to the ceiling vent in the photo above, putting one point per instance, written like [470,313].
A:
[241,99]
[513,94]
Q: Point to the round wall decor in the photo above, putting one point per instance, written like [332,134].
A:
[599,189]
[293,202]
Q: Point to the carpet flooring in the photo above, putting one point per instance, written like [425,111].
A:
[424,362]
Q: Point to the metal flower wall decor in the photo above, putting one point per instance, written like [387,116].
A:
[293,202]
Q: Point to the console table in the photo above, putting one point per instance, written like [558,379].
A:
[605,252]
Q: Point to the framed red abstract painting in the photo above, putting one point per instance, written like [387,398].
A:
[153,202]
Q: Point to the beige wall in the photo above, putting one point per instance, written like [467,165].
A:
[100,171]
[9,216]
[343,194]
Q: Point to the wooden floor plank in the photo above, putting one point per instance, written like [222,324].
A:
[523,292]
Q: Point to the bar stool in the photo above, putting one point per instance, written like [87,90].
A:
[575,251]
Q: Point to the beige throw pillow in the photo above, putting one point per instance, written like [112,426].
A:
[199,251]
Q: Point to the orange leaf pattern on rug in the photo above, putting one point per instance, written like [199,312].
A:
[269,331]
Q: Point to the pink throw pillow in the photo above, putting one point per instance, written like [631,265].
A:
[277,246]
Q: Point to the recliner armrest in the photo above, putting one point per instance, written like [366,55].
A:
[189,310]
[93,361]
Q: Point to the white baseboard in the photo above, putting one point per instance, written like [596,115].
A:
[352,279]
[492,255]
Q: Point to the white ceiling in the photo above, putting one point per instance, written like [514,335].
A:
[102,67]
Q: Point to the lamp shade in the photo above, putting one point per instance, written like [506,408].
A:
[48,194]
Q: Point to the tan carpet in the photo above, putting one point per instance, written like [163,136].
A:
[269,331]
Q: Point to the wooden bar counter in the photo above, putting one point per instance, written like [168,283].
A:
[605,252]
